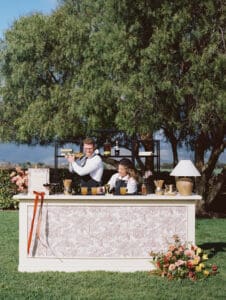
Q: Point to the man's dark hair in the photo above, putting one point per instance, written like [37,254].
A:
[89,141]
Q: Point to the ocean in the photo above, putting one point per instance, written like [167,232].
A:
[11,153]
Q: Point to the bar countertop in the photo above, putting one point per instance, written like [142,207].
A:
[111,197]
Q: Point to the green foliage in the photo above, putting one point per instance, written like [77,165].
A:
[38,68]
[108,285]
[7,190]
[139,67]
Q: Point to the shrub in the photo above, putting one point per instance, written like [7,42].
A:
[7,190]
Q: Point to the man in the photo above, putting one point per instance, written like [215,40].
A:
[89,167]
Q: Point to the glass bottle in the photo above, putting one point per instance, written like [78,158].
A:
[107,148]
[143,189]
[117,151]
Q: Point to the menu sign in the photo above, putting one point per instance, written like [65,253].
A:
[37,177]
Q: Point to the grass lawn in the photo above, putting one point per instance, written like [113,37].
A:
[210,235]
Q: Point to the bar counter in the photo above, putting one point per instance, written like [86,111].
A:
[111,233]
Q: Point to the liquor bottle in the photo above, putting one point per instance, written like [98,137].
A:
[107,148]
[144,189]
[117,150]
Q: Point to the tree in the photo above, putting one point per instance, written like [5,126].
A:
[137,66]
[41,58]
[187,54]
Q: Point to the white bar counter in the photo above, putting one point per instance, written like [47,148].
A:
[111,233]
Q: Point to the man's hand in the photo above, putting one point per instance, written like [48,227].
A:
[70,158]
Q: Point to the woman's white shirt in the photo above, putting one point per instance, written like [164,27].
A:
[131,182]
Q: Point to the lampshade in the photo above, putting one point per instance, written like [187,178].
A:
[185,168]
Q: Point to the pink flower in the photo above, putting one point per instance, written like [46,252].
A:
[169,254]
[180,262]
[191,275]
[20,178]
[189,253]
[147,174]
[197,258]
[19,171]
[172,267]
[15,178]
[214,268]
[194,247]
[21,189]
[181,248]
[19,181]
[171,248]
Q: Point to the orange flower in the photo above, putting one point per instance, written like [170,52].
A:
[190,264]
[171,248]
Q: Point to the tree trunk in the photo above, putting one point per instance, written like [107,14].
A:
[201,183]
[135,152]
[148,143]
[204,187]
[201,189]
[174,142]
[216,187]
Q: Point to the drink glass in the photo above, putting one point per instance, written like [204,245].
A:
[67,186]
[123,190]
[84,190]
[94,190]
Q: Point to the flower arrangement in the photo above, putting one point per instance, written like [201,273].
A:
[182,261]
[20,178]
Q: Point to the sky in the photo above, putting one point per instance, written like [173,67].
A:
[10,10]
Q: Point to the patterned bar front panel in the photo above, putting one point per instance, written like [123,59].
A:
[104,231]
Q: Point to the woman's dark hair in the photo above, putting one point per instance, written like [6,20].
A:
[125,162]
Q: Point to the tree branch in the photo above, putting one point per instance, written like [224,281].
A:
[53,77]
[222,37]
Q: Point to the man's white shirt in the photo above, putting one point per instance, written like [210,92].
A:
[93,167]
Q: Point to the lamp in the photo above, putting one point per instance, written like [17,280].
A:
[185,169]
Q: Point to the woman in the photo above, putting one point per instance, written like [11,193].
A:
[126,177]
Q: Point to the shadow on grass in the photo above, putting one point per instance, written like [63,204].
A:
[214,248]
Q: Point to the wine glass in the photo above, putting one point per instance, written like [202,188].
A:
[107,188]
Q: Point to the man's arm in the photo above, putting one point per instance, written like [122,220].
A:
[91,165]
